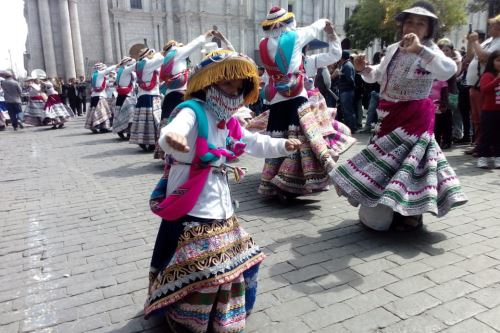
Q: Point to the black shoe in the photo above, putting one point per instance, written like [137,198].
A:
[60,126]
[54,127]
[21,126]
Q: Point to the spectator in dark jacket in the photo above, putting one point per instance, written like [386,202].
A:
[346,86]
[12,94]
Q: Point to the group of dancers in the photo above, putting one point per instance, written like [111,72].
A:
[45,105]
[203,274]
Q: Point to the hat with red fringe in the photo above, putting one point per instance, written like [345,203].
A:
[222,65]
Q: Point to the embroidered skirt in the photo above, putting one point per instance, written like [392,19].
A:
[323,140]
[403,167]
[144,128]
[56,112]
[98,117]
[203,275]
[35,113]
[123,113]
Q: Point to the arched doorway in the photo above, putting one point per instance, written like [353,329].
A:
[134,50]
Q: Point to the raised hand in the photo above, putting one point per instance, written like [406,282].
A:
[359,62]
[177,142]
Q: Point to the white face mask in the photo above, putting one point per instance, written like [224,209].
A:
[222,105]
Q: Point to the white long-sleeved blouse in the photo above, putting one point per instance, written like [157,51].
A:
[215,200]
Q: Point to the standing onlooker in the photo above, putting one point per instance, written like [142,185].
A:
[372,93]
[12,94]
[345,86]
[74,100]
[479,54]
[82,93]
[443,120]
[490,113]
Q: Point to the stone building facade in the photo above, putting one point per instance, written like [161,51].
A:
[66,37]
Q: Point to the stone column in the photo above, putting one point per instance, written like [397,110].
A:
[77,39]
[298,12]
[170,21]
[106,32]
[49,56]
[117,42]
[67,41]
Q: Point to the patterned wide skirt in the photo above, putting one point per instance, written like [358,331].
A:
[208,281]
[403,167]
[35,113]
[56,112]
[99,114]
[323,139]
[123,113]
[145,122]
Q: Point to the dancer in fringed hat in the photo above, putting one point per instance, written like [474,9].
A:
[99,115]
[403,173]
[291,115]
[204,267]
[174,73]
[126,100]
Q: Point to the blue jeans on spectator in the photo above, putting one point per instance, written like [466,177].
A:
[371,115]
[348,110]
[14,109]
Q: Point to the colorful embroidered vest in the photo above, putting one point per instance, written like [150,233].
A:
[142,84]
[123,90]
[95,76]
[172,81]
[182,200]
[280,81]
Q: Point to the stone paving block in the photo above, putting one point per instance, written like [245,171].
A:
[86,324]
[373,266]
[369,301]
[409,269]
[305,274]
[257,321]
[371,321]
[297,290]
[410,286]
[470,325]
[456,311]
[451,290]
[372,282]
[47,319]
[418,324]
[288,326]
[124,288]
[412,305]
[91,285]
[473,250]
[478,263]
[125,313]
[291,309]
[334,295]
[104,305]
[442,260]
[445,273]
[484,278]
[334,279]
[332,314]
[491,318]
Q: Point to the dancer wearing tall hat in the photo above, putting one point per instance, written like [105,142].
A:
[203,274]
[291,115]
[403,173]
[35,114]
[56,112]
[174,73]
[147,113]
[98,117]
[126,100]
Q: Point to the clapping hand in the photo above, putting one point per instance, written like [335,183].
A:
[410,43]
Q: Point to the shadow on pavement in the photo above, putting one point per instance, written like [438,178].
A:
[343,246]
[133,169]
[156,324]
[114,152]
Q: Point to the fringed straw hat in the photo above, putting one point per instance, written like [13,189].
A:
[224,65]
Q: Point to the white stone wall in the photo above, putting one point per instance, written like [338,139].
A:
[238,20]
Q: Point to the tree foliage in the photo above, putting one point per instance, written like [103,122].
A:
[373,19]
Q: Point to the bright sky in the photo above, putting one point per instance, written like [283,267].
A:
[13,31]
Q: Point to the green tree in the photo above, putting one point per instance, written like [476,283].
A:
[492,6]
[373,19]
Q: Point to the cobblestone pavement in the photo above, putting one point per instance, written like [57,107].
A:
[77,236]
